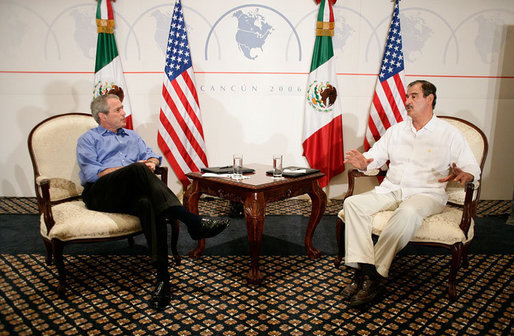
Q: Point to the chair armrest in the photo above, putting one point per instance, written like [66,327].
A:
[54,190]
[355,173]
[44,200]
[469,207]
[163,173]
[42,180]
[374,172]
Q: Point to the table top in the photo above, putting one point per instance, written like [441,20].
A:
[256,180]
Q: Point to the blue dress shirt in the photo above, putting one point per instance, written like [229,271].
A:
[99,149]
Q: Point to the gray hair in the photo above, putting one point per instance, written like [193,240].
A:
[99,105]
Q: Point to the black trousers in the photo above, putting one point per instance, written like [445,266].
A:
[136,190]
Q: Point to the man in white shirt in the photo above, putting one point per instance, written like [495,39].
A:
[424,153]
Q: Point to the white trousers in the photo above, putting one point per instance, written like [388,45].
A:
[407,218]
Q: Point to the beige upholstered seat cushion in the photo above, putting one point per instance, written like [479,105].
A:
[74,221]
[441,228]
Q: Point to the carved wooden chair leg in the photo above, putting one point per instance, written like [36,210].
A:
[175,230]
[58,247]
[49,254]
[340,242]
[465,261]
[454,268]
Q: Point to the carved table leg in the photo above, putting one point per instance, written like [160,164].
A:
[254,208]
[319,202]
[191,198]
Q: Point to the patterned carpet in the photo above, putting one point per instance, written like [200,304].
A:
[107,295]
[217,206]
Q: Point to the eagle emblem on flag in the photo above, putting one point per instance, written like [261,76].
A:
[102,87]
[321,96]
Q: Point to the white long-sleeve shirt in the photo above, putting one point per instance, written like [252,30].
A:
[418,159]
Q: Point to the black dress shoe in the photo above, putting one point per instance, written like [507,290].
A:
[369,290]
[353,287]
[161,296]
[210,227]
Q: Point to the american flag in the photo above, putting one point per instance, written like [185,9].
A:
[180,135]
[388,106]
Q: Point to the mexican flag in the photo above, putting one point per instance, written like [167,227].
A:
[108,71]
[323,128]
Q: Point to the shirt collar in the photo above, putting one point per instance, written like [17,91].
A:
[103,131]
[430,126]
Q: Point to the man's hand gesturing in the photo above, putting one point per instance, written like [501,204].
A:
[457,175]
[357,159]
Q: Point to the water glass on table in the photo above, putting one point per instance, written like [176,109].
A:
[237,171]
[277,166]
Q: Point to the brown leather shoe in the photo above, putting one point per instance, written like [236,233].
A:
[369,290]
[354,286]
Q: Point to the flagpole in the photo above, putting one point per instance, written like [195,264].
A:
[327,187]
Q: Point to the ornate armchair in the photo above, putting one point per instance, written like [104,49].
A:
[64,217]
[452,229]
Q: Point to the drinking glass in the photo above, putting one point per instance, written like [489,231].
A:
[277,165]
[237,168]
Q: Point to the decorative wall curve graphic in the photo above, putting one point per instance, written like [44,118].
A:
[407,26]
[162,26]
[410,24]
[132,31]
[338,39]
[233,10]
[486,29]
[416,23]
[49,32]
[370,25]
[55,20]
[83,21]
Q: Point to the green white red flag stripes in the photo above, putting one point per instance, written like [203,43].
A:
[109,76]
[323,129]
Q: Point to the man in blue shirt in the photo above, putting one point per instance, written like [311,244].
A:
[116,170]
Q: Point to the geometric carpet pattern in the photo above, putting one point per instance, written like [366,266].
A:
[18,206]
[220,207]
[107,295]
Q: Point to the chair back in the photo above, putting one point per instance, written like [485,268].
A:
[478,143]
[52,146]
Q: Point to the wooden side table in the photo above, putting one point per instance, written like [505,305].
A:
[254,192]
